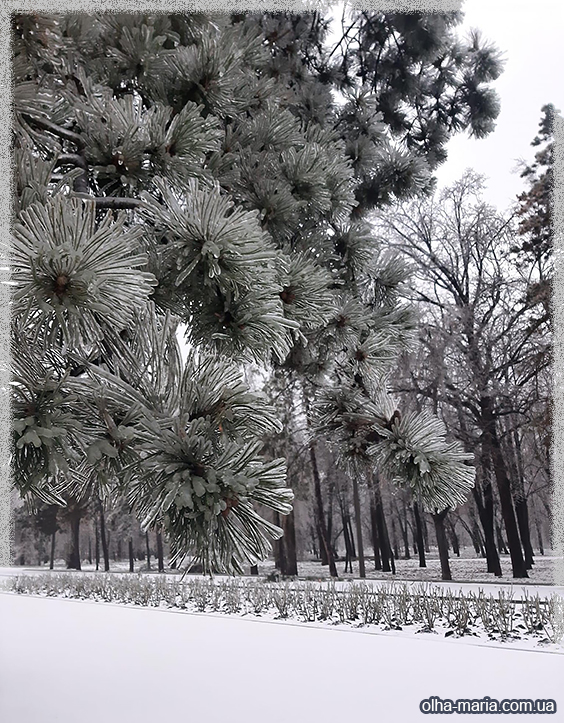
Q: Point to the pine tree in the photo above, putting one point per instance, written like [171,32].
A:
[196,170]
[535,224]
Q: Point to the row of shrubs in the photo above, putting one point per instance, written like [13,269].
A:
[391,606]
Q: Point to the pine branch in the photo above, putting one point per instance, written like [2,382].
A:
[115,203]
[81,184]
[72,159]
[56,130]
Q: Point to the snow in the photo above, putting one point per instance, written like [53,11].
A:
[468,568]
[69,661]
[468,572]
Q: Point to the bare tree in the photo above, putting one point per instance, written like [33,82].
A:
[483,351]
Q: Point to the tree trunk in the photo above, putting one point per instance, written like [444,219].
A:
[290,557]
[97,545]
[254,570]
[89,550]
[520,500]
[474,534]
[394,536]
[442,544]
[522,512]
[351,536]
[52,556]
[314,539]
[104,539]
[486,512]
[330,495]
[358,522]
[404,532]
[131,561]
[504,488]
[383,539]
[148,550]
[278,548]
[425,534]
[277,545]
[321,529]
[322,546]
[73,562]
[500,541]
[347,534]
[375,540]
[388,546]
[539,536]
[160,556]
[419,534]
[453,537]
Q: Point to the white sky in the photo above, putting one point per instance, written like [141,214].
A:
[531,35]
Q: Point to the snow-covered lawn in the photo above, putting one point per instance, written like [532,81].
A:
[465,569]
[471,575]
[68,661]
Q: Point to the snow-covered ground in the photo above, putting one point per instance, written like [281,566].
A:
[465,569]
[468,571]
[69,661]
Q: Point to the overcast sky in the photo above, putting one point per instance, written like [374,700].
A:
[531,35]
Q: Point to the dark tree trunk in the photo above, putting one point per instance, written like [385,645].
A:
[385,550]
[321,529]
[394,536]
[291,558]
[119,550]
[330,533]
[419,535]
[278,548]
[131,561]
[453,536]
[52,555]
[89,550]
[104,539]
[314,539]
[330,495]
[539,536]
[351,536]
[502,480]
[254,570]
[322,547]
[442,544]
[474,534]
[486,514]
[73,562]
[388,546]
[148,550]
[520,500]
[404,532]
[500,541]
[375,540]
[97,545]
[358,522]
[522,512]
[425,534]
[347,534]
[160,556]
[277,545]
[479,541]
